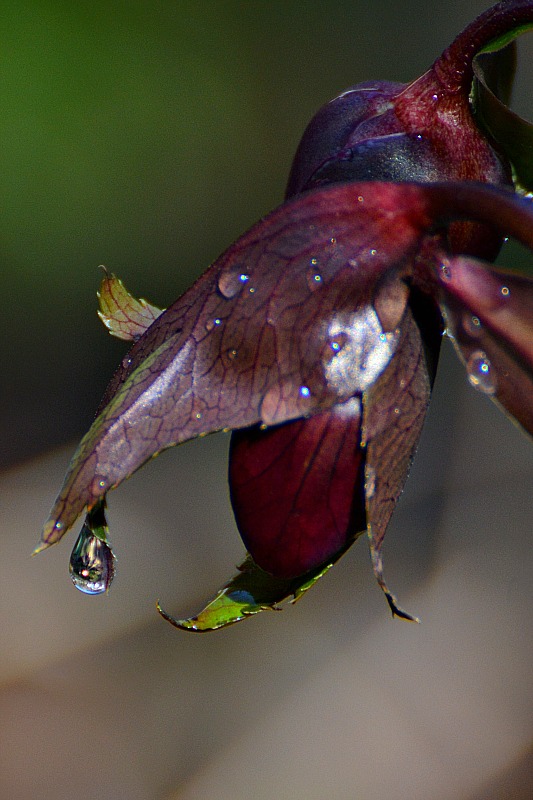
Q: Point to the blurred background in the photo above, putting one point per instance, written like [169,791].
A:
[147,136]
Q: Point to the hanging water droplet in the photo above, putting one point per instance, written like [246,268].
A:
[313,278]
[505,291]
[231,281]
[481,373]
[92,563]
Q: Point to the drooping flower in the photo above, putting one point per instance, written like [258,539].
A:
[315,336]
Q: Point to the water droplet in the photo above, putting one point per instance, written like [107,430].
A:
[251,290]
[231,281]
[434,97]
[472,325]
[212,323]
[373,252]
[445,272]
[198,415]
[314,262]
[370,482]
[336,343]
[92,563]
[480,372]
[314,279]
[58,526]
[360,199]
[505,291]
[333,240]
[304,391]
[98,486]
[229,356]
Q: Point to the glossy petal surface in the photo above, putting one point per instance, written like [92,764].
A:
[297,489]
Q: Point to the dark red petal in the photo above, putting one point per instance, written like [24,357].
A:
[297,489]
[490,314]
[394,412]
[235,350]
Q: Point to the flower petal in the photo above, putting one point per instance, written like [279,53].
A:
[490,313]
[297,489]
[245,343]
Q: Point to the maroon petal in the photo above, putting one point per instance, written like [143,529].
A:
[297,489]
[394,412]
[246,343]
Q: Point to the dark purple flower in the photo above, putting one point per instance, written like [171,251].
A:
[315,336]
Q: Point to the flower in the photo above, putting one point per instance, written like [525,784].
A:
[315,336]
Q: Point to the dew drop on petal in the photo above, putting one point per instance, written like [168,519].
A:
[505,292]
[231,281]
[481,373]
[212,323]
[445,272]
[472,325]
[229,356]
[314,279]
[305,391]
[92,566]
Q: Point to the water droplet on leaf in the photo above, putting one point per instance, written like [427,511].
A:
[92,566]
[481,373]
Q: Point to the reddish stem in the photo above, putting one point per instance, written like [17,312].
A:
[454,67]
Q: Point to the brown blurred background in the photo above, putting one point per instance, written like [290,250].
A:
[147,136]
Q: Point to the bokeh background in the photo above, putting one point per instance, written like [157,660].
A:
[146,136]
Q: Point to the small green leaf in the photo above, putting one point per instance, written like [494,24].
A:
[491,90]
[252,590]
[123,315]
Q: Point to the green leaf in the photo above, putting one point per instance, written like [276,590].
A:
[493,76]
[252,590]
[123,315]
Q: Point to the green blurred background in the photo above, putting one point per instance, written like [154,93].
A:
[146,136]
